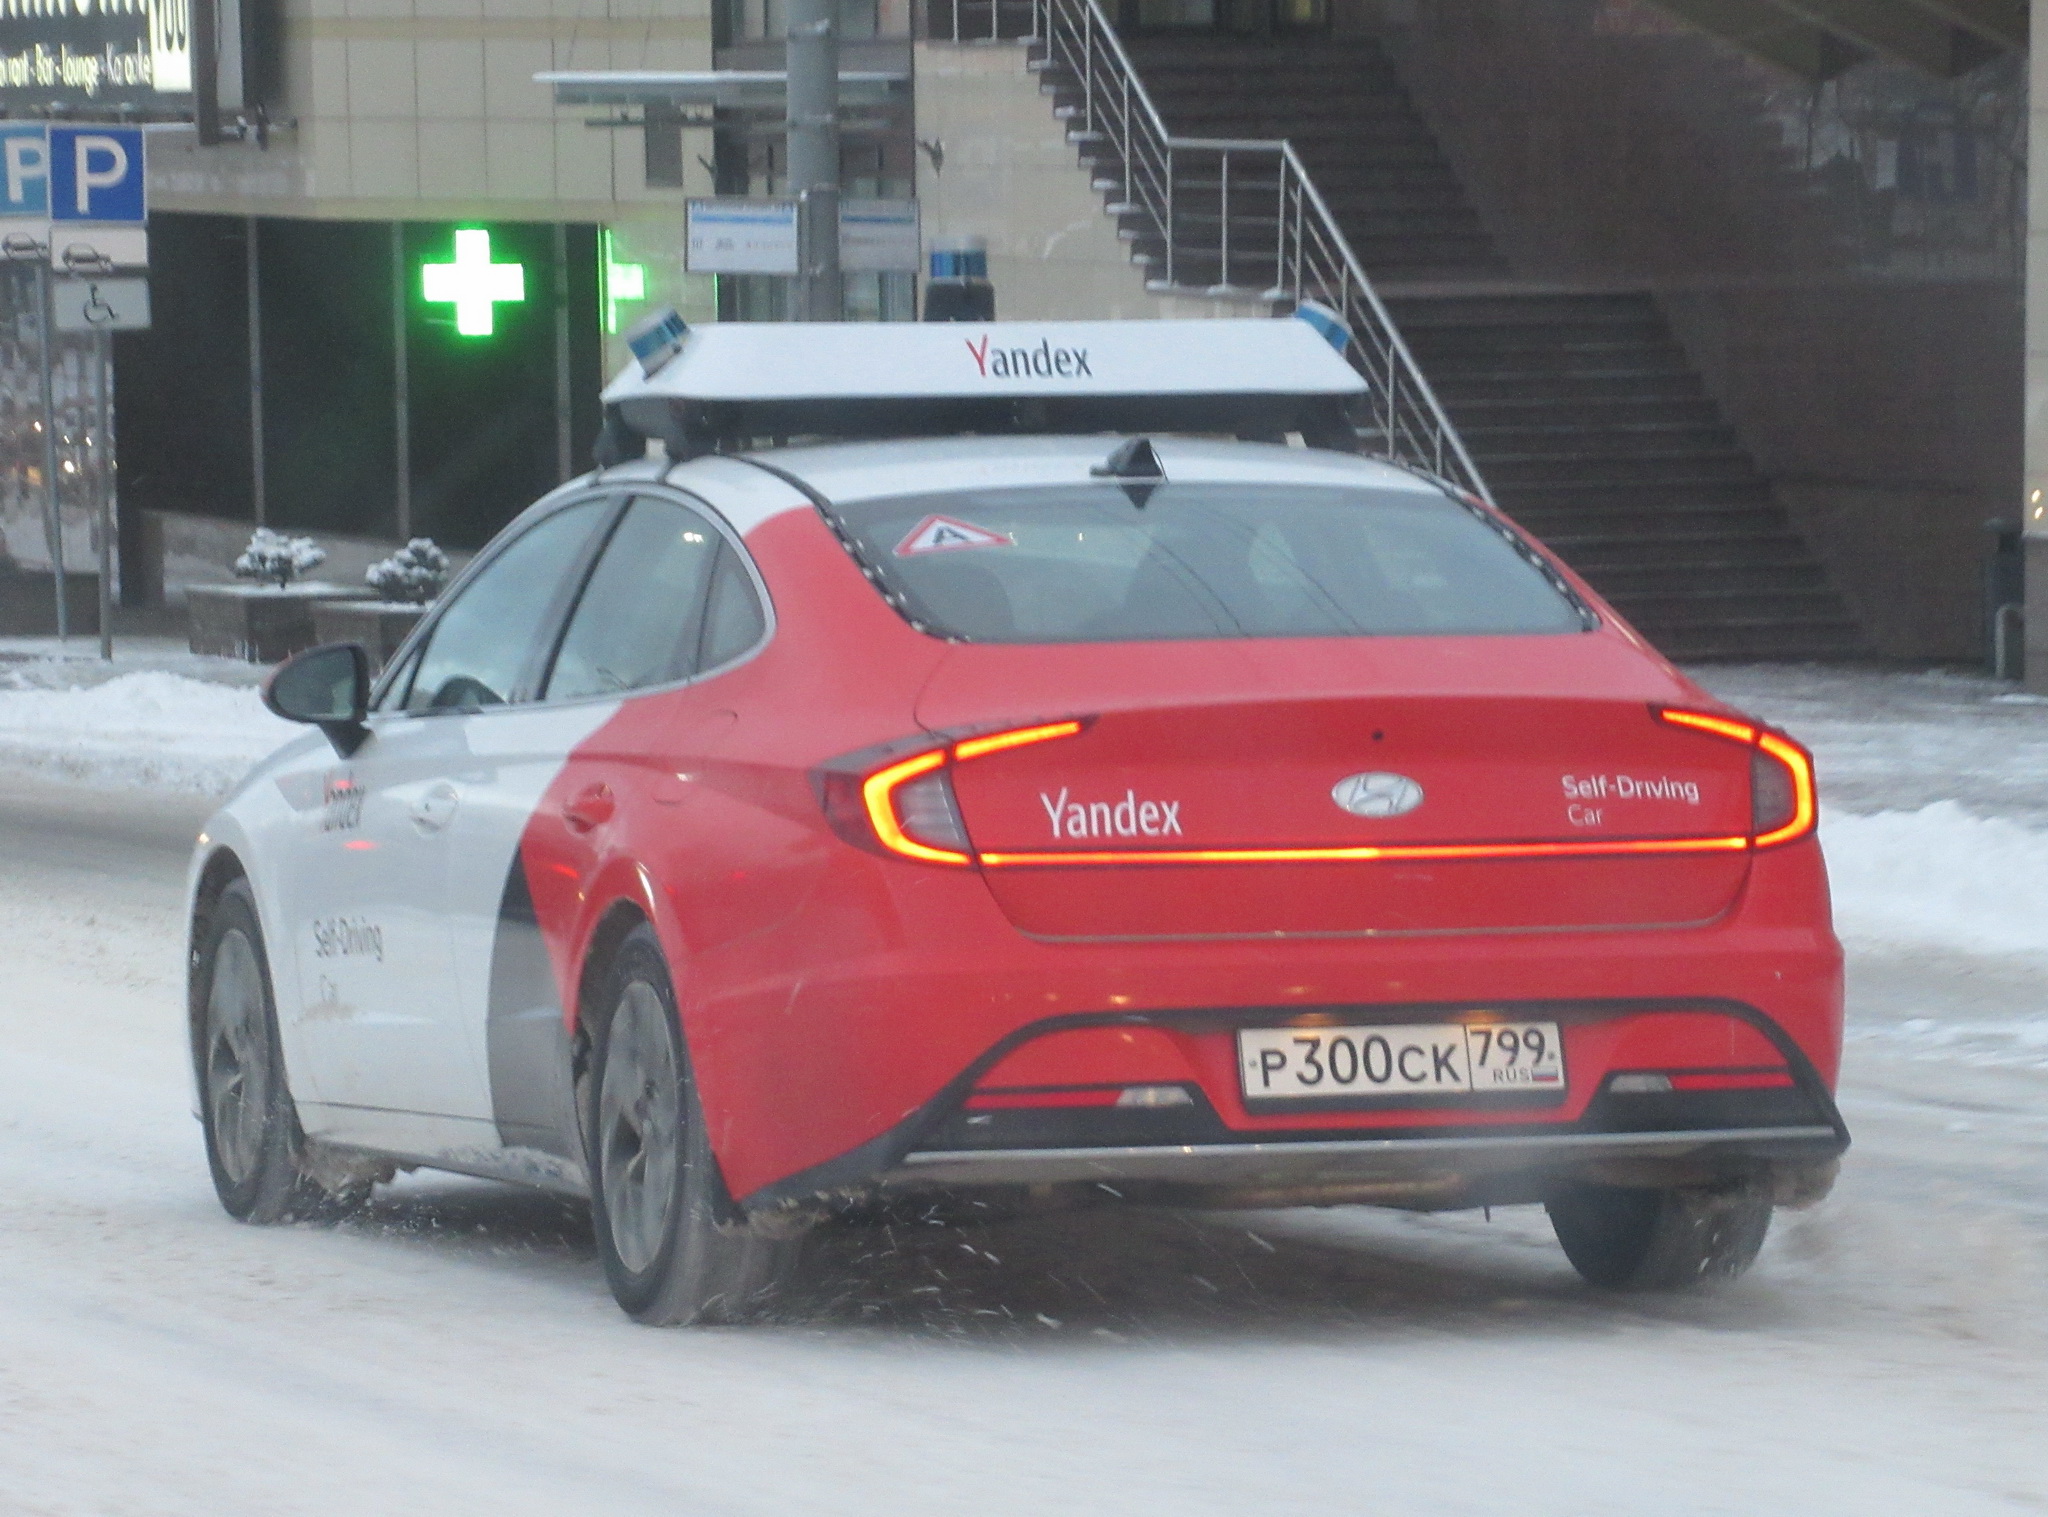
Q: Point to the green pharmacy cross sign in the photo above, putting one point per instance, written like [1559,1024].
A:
[622,281]
[474,285]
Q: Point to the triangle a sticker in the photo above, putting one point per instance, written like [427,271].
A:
[945,534]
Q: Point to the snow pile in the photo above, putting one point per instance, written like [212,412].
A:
[1938,877]
[2021,1044]
[148,729]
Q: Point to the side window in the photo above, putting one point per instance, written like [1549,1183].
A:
[484,642]
[397,682]
[642,613]
[734,621]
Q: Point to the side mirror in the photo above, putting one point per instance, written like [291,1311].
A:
[329,687]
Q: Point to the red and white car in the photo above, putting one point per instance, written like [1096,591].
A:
[751,839]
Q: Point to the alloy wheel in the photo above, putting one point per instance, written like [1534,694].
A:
[237,1069]
[639,1127]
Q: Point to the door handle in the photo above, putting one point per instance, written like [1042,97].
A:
[436,809]
[591,807]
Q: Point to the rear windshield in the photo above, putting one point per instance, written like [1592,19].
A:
[1093,563]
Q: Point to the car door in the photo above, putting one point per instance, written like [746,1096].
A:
[385,1048]
[559,786]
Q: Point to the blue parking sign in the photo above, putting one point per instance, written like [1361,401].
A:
[96,174]
[24,171]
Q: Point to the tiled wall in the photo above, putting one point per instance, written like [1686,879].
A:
[427,109]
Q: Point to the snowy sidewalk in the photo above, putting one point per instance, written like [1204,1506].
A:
[158,717]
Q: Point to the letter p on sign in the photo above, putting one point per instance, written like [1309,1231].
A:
[25,162]
[96,174]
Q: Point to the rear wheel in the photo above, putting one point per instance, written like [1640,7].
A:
[253,1143]
[674,1248]
[1627,1239]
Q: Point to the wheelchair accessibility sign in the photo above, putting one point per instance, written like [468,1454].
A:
[100,305]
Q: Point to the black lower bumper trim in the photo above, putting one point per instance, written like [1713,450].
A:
[1354,1162]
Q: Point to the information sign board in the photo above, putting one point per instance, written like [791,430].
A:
[733,235]
[878,236]
[730,235]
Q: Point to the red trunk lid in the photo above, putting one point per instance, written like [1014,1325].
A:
[1492,768]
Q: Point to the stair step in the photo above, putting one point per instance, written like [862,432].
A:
[1615,510]
[1602,539]
[1495,312]
[1538,372]
[1758,641]
[1644,470]
[1763,543]
[1512,341]
[1635,439]
[1618,409]
[1458,391]
[1668,580]
[1723,607]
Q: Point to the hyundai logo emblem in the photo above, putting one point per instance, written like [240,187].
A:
[1377,795]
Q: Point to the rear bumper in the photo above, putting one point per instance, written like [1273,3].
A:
[1784,1138]
[1419,1171]
[824,1066]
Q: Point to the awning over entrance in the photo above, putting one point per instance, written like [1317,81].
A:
[708,87]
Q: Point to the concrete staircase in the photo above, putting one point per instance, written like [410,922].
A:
[1373,158]
[1594,432]
[1584,415]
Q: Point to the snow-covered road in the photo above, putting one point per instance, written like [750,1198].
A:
[455,1351]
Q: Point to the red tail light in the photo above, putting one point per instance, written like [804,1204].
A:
[1781,790]
[906,807]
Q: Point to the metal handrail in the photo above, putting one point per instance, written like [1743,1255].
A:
[1244,209]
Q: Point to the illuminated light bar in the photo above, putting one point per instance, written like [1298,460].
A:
[878,790]
[1798,764]
[996,742]
[1377,852]
[877,795]
[1720,726]
[1805,809]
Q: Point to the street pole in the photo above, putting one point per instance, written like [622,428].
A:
[53,520]
[105,456]
[813,151]
[401,389]
[565,437]
[259,492]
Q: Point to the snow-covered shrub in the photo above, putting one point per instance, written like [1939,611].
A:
[414,574]
[275,559]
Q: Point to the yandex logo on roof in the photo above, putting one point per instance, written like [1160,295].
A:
[1044,361]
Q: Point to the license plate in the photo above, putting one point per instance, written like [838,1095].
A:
[1430,1059]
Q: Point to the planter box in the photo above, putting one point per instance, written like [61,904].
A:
[379,625]
[259,623]
[28,602]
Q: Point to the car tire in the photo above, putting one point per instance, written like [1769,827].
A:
[1648,1240]
[254,1144]
[675,1248]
